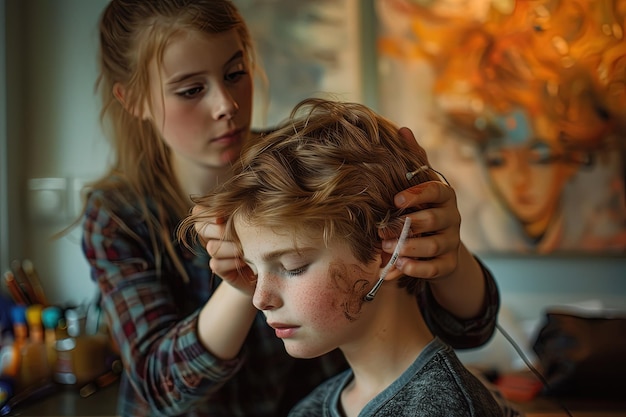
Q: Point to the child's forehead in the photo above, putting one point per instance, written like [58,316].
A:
[264,239]
[297,235]
[286,228]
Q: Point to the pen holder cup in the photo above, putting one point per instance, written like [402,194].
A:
[81,359]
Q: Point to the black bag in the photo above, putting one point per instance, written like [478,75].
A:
[582,356]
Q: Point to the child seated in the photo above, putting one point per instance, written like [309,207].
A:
[308,207]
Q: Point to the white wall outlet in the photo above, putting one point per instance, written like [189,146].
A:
[76,196]
[47,199]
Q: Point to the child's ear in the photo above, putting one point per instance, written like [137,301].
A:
[119,92]
[393,273]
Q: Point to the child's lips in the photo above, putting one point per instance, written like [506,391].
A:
[284,330]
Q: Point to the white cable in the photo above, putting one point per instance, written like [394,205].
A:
[394,257]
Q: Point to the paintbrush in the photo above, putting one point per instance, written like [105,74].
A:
[14,289]
[33,278]
[22,281]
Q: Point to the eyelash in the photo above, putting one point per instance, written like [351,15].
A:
[235,75]
[231,77]
[297,271]
[291,272]
[190,92]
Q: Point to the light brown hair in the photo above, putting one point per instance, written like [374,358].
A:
[134,33]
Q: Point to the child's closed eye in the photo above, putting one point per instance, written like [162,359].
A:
[296,271]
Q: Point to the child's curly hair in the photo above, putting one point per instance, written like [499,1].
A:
[333,170]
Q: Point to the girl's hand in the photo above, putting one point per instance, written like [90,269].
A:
[225,261]
[433,251]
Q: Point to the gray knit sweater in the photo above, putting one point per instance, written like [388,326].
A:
[435,385]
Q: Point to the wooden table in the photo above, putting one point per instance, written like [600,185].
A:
[66,401]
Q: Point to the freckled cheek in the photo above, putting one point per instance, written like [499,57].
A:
[325,308]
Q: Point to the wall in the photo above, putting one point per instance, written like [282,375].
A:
[53,132]
[4,151]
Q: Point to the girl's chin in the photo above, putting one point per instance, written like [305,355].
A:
[230,156]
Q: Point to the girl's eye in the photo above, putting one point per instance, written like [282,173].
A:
[236,72]
[190,92]
[235,76]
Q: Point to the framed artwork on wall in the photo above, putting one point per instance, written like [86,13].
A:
[522,105]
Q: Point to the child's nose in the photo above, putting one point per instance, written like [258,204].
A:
[265,294]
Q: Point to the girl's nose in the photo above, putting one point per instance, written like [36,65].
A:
[265,294]
[224,105]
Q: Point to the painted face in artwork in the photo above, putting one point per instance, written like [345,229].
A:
[527,171]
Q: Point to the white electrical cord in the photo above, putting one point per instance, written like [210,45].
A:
[394,257]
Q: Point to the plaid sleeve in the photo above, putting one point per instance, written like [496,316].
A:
[463,334]
[164,360]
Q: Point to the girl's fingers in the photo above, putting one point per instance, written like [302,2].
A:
[432,268]
[218,248]
[426,194]
[427,256]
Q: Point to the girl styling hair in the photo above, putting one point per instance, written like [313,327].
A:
[333,168]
